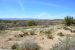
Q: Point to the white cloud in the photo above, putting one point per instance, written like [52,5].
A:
[21,5]
[44,15]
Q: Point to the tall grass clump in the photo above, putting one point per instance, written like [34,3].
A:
[67,44]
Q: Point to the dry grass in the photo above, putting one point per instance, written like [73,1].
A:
[32,32]
[26,45]
[50,37]
[68,43]
[44,37]
[60,34]
[48,33]
[67,28]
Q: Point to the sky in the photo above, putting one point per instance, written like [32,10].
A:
[39,9]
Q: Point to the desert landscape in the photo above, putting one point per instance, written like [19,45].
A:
[53,36]
[37,24]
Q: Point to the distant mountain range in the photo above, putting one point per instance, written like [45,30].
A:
[29,19]
[17,19]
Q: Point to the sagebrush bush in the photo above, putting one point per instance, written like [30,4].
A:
[50,37]
[14,46]
[3,27]
[60,34]
[49,34]
[19,35]
[32,32]
[67,28]
[25,33]
[67,44]
[27,45]
[73,30]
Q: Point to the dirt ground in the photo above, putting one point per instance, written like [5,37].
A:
[8,39]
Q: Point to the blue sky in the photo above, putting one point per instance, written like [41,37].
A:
[40,9]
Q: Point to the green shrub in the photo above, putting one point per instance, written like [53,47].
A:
[31,23]
[68,20]
[73,21]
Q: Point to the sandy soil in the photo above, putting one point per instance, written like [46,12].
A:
[7,40]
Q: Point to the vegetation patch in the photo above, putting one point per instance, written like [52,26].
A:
[25,33]
[49,35]
[67,28]
[32,32]
[2,32]
[68,20]
[60,34]
[67,44]
[27,45]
